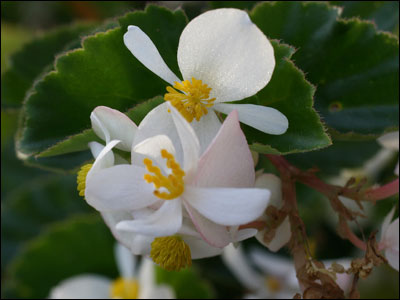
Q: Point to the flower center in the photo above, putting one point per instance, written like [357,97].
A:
[192,102]
[171,253]
[173,183]
[124,289]
[81,178]
[273,284]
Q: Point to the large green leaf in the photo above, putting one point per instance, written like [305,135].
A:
[79,245]
[33,59]
[354,67]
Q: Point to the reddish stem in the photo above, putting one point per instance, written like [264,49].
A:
[383,192]
[353,238]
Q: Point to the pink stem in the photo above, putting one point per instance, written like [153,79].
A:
[383,192]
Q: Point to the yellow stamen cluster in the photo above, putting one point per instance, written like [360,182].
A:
[124,289]
[171,253]
[81,179]
[173,183]
[192,102]
[273,284]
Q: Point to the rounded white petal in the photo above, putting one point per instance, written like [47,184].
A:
[228,206]
[120,187]
[272,183]
[146,52]
[199,248]
[110,124]
[126,262]
[85,286]
[235,260]
[163,222]
[263,118]
[225,50]
[227,162]
[281,238]
[105,159]
[390,140]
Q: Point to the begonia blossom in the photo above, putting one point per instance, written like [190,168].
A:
[223,57]
[134,282]
[389,241]
[391,141]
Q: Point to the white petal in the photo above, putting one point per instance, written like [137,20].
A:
[110,124]
[206,129]
[146,52]
[281,238]
[390,140]
[125,261]
[85,286]
[228,206]
[105,159]
[120,187]
[272,183]
[214,234]
[244,234]
[272,264]
[189,141]
[95,148]
[235,260]
[392,255]
[163,222]
[159,122]
[225,50]
[263,118]
[199,248]
[227,162]
[387,220]
[391,241]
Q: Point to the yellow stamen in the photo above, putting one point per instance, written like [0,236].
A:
[171,253]
[81,179]
[124,289]
[273,284]
[192,102]
[173,183]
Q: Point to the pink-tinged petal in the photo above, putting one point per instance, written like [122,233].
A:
[228,206]
[159,122]
[214,234]
[392,255]
[110,124]
[85,286]
[227,162]
[163,222]
[206,129]
[146,52]
[263,118]
[281,238]
[120,187]
[391,241]
[272,183]
[387,220]
[225,50]
[189,141]
[199,248]
[105,159]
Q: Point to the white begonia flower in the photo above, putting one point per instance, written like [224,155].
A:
[133,284]
[283,231]
[222,57]
[391,141]
[389,241]
[211,187]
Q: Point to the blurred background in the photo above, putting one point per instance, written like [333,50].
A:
[49,233]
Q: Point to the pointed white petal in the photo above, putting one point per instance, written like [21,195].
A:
[272,183]
[214,234]
[263,118]
[120,187]
[206,129]
[110,124]
[228,206]
[390,140]
[163,222]
[95,148]
[281,238]
[387,220]
[235,260]
[225,50]
[227,162]
[85,286]
[189,141]
[146,52]
[105,159]
[126,262]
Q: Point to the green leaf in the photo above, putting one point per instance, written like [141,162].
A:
[354,67]
[186,283]
[235,4]
[79,245]
[104,72]
[33,59]
[35,205]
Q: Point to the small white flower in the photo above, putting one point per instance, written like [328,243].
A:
[391,141]
[133,284]
[223,57]
[390,239]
